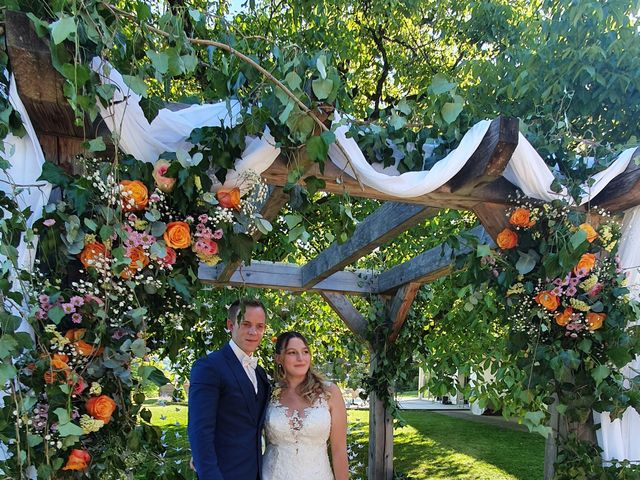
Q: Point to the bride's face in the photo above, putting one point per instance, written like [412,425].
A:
[296,358]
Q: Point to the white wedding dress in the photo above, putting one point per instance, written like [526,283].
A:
[297,442]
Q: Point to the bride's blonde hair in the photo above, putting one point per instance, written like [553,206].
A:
[314,385]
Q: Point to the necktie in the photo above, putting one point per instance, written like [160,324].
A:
[249,364]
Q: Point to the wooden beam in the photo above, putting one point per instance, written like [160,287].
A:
[347,313]
[492,216]
[286,276]
[429,265]
[400,306]
[623,191]
[39,84]
[490,158]
[338,182]
[386,223]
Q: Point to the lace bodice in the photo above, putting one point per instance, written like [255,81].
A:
[297,442]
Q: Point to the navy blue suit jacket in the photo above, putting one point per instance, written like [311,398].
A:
[226,417]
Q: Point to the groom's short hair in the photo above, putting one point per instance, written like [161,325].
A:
[241,305]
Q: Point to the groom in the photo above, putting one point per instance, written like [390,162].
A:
[228,394]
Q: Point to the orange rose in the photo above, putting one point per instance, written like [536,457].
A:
[521,218]
[139,260]
[75,334]
[78,460]
[590,231]
[585,264]
[507,239]
[229,198]
[59,362]
[548,300]
[177,235]
[101,408]
[563,318]
[85,349]
[134,195]
[91,253]
[595,320]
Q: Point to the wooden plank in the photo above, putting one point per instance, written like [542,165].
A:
[386,223]
[623,191]
[347,313]
[429,265]
[400,306]
[490,158]
[285,276]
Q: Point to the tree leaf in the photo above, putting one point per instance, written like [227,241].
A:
[159,60]
[317,149]
[8,345]
[56,314]
[136,83]
[440,84]
[578,238]
[525,263]
[151,106]
[62,29]
[54,174]
[450,111]
[293,80]
[600,373]
[322,87]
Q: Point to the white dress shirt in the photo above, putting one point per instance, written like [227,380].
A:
[246,361]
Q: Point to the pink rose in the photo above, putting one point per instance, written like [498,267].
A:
[163,183]
[169,258]
[206,247]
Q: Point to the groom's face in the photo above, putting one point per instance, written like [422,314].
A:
[249,329]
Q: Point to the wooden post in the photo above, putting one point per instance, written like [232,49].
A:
[551,445]
[420,383]
[380,439]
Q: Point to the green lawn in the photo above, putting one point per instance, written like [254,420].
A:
[431,446]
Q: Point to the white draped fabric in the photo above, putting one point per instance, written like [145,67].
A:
[169,132]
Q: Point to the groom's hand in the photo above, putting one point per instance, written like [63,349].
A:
[193,467]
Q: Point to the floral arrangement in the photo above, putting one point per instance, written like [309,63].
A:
[116,272]
[567,305]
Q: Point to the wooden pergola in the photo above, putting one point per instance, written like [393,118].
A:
[478,187]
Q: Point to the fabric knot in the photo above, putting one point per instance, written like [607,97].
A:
[251,362]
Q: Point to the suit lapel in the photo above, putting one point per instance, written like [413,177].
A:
[246,387]
[264,390]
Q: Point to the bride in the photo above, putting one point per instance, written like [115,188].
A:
[304,413]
